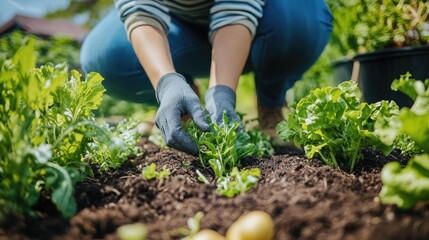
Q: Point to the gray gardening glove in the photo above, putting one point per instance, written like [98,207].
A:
[176,98]
[218,99]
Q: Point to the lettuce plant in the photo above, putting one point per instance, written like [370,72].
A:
[332,124]
[409,185]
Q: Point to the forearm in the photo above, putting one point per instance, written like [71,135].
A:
[231,46]
[153,52]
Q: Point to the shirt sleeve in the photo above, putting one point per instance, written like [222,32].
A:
[135,13]
[229,12]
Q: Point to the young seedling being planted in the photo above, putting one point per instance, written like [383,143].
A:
[222,148]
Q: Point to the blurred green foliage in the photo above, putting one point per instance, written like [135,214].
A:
[54,50]
[64,50]
[90,10]
[345,18]
[362,26]
[367,25]
[246,96]
[112,107]
[392,23]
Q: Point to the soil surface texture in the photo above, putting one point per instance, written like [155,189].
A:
[306,199]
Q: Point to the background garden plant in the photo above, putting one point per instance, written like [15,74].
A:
[366,25]
[48,134]
[55,50]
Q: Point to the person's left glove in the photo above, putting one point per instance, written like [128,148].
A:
[218,99]
[176,98]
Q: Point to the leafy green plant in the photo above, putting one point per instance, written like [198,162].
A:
[238,182]
[332,124]
[223,147]
[122,145]
[409,185]
[46,131]
[149,172]
[263,147]
[406,145]
[406,186]
[25,166]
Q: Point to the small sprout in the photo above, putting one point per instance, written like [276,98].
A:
[186,164]
[238,182]
[194,225]
[202,178]
[149,172]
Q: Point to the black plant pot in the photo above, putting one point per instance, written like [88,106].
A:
[378,69]
[342,70]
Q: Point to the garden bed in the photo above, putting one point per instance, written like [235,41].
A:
[307,200]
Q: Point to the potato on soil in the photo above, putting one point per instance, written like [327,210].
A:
[256,225]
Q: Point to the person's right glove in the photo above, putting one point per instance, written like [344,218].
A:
[218,99]
[176,98]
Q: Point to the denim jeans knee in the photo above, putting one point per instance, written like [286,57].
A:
[290,38]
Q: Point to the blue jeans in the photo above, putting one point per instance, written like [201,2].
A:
[289,39]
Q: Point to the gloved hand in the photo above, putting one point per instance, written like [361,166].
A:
[218,99]
[176,98]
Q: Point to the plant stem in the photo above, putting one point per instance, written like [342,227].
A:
[352,166]
[334,160]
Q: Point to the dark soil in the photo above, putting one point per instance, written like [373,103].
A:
[306,199]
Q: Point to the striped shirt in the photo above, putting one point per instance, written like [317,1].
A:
[212,13]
